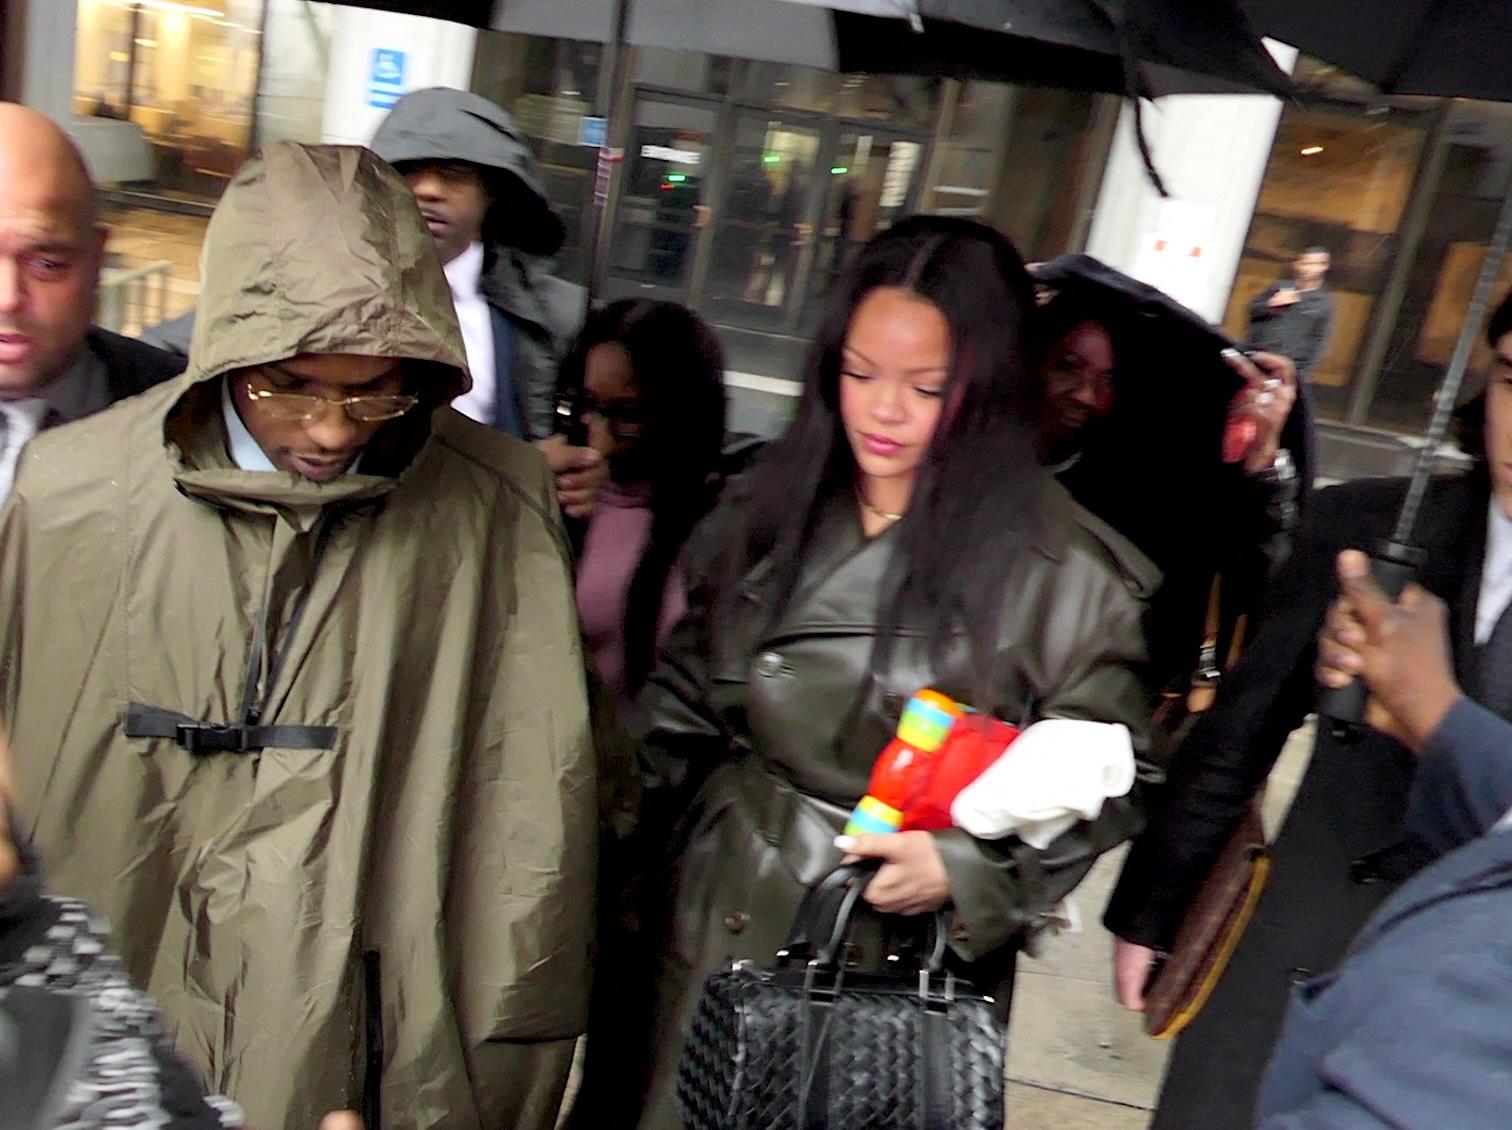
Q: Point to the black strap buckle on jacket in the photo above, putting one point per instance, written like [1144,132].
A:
[197,737]
[209,737]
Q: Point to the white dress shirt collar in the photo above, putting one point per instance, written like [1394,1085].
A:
[22,420]
[475,318]
[465,272]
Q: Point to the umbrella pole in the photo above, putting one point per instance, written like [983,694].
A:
[597,247]
[1454,379]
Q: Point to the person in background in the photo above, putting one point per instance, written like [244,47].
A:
[482,197]
[650,376]
[296,686]
[899,536]
[1293,317]
[1099,387]
[1412,1030]
[54,365]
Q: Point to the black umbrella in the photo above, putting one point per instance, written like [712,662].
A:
[1140,48]
[1452,48]
[1152,47]
[1154,468]
[1145,47]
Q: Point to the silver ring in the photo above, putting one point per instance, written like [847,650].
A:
[1264,399]
[1272,382]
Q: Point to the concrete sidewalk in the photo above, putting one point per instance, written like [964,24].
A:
[1076,1060]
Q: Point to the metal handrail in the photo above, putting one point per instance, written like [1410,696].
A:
[131,299]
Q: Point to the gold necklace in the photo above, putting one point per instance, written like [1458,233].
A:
[875,511]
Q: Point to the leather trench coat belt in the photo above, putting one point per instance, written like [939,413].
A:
[773,725]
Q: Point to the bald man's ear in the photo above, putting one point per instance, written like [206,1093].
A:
[97,249]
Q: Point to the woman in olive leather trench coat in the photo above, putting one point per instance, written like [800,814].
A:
[900,536]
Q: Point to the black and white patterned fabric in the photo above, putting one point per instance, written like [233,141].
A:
[132,1079]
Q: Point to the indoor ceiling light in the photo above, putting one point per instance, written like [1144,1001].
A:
[1312,150]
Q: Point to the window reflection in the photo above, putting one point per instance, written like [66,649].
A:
[1340,177]
[185,72]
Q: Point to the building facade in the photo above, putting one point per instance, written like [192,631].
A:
[743,187]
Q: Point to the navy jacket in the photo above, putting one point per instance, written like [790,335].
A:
[1414,1029]
[1464,779]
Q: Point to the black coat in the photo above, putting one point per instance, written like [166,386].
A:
[1351,801]
[776,727]
[1299,331]
[131,366]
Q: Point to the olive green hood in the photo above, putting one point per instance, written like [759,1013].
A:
[314,249]
[321,249]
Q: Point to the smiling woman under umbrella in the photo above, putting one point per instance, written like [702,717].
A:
[1198,455]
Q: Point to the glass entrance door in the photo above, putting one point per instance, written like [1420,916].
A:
[662,207]
[802,195]
[872,180]
[763,231]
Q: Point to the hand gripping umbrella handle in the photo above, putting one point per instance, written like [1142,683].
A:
[1394,566]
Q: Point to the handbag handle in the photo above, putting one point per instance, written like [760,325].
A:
[844,879]
[848,882]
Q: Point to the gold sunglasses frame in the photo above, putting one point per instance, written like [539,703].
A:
[265,399]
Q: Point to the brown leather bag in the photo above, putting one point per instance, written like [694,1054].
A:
[1211,929]
[1218,915]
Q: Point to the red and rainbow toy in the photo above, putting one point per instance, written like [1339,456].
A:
[941,747]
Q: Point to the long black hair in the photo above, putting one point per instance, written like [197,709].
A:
[978,486]
[679,370]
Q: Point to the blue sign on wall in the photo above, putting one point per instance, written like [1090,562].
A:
[591,131]
[386,79]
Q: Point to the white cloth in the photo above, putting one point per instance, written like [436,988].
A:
[1056,773]
[464,273]
[1496,572]
[246,452]
[23,419]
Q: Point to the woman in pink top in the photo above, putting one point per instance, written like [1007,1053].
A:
[652,381]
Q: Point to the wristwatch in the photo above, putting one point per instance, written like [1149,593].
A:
[1282,470]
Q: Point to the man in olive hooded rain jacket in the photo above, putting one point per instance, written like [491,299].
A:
[296,689]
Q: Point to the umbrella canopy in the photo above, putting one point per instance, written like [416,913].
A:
[1148,47]
[1144,47]
[1450,48]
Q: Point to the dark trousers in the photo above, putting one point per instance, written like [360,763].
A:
[1349,805]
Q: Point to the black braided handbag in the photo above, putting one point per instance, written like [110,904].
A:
[811,1044]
